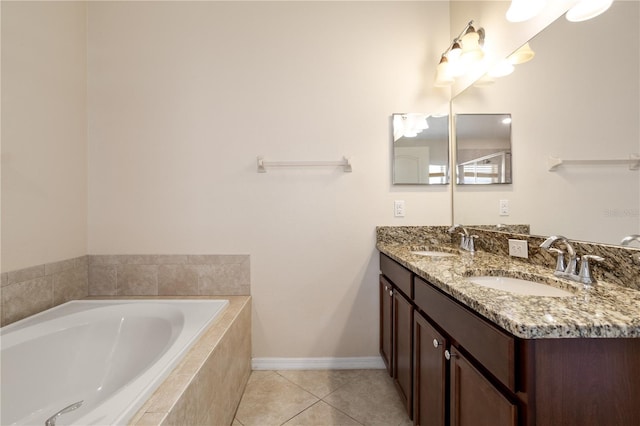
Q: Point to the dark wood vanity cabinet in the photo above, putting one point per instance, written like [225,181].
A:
[445,360]
[453,367]
[386,323]
[403,348]
[430,374]
[474,401]
[457,359]
[396,326]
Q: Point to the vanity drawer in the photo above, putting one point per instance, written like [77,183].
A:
[490,346]
[397,274]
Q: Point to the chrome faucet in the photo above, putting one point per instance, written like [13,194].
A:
[629,238]
[570,270]
[51,421]
[466,240]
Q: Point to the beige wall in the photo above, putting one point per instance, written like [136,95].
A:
[184,96]
[44,154]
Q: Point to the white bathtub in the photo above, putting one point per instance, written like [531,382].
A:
[111,354]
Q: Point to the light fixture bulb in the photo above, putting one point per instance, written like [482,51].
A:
[457,66]
[587,9]
[443,73]
[471,50]
[523,10]
[522,55]
[503,68]
[455,52]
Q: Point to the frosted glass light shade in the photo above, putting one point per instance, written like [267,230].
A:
[455,52]
[522,55]
[443,74]
[471,50]
[502,69]
[587,9]
[523,10]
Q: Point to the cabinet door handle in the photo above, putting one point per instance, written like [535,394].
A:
[391,293]
[386,288]
[436,343]
[448,355]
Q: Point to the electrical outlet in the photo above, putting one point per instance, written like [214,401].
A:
[519,248]
[398,208]
[504,208]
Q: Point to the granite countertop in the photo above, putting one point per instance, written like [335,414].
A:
[602,310]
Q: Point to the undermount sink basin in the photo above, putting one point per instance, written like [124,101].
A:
[519,286]
[433,253]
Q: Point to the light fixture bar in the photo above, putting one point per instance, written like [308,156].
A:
[455,60]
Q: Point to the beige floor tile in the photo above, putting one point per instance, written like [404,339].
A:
[320,382]
[259,375]
[272,400]
[236,423]
[370,399]
[322,414]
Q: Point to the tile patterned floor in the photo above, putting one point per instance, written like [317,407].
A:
[321,398]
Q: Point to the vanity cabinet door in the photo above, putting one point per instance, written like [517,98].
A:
[430,374]
[386,323]
[403,348]
[474,401]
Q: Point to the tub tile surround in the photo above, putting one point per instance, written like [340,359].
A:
[169,275]
[607,309]
[31,290]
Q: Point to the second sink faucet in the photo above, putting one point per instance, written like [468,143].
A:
[629,238]
[584,276]
[466,240]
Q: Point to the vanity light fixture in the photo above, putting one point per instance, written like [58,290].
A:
[587,9]
[462,53]
[523,10]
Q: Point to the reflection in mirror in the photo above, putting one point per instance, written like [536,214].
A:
[420,149]
[483,148]
[579,106]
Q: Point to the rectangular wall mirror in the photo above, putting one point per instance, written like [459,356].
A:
[420,149]
[483,148]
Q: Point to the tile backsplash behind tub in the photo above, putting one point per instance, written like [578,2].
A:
[31,290]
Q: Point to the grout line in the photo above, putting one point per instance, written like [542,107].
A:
[297,414]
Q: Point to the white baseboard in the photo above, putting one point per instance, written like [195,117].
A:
[356,363]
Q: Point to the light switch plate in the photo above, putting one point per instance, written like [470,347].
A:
[519,248]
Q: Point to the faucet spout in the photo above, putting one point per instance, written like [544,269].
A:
[460,227]
[629,238]
[549,242]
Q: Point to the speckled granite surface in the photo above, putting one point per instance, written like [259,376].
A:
[604,310]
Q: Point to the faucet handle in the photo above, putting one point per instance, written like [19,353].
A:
[464,241]
[470,243]
[585,272]
[560,265]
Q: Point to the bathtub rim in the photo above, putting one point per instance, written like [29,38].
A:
[166,397]
[176,360]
